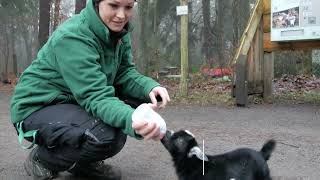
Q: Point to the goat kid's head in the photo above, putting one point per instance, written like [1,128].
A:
[182,144]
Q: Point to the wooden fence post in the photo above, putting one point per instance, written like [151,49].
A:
[268,74]
[241,89]
[184,52]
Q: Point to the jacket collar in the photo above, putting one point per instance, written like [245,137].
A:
[99,28]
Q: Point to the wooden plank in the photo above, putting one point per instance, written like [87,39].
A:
[257,89]
[268,75]
[261,52]
[269,46]
[249,32]
[249,67]
[266,23]
[172,76]
[256,62]
[259,56]
[266,6]
[253,63]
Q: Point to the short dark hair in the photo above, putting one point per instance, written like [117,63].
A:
[98,1]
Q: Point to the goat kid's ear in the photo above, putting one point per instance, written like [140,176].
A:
[188,132]
[198,153]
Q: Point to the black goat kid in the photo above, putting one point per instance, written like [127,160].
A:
[240,164]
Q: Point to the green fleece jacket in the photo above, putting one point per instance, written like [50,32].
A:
[83,62]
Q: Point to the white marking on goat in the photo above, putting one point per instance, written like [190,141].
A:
[188,132]
[194,151]
[198,153]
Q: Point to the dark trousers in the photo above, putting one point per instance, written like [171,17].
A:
[67,135]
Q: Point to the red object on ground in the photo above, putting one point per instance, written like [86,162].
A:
[216,72]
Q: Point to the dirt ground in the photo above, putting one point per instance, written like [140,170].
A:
[295,127]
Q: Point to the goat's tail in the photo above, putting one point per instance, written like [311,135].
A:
[267,149]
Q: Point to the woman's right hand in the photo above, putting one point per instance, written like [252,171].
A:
[148,123]
[148,130]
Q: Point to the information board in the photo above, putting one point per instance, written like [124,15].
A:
[295,20]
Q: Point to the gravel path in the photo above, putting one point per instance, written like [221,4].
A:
[295,127]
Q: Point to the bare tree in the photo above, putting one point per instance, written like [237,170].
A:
[80,4]
[5,38]
[219,28]
[56,19]
[235,21]
[5,50]
[44,22]
[142,60]
[240,18]
[13,49]
[207,36]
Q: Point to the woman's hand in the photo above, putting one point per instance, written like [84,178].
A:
[163,93]
[148,130]
[148,123]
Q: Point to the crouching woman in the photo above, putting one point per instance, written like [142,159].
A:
[70,100]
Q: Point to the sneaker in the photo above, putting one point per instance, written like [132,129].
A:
[34,168]
[97,170]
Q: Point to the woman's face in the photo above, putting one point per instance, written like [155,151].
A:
[116,13]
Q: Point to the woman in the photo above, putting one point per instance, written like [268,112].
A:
[68,100]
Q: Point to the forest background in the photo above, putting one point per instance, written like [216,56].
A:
[214,30]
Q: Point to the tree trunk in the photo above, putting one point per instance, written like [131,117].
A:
[245,14]
[80,4]
[220,32]
[206,31]
[44,22]
[14,56]
[6,52]
[56,19]
[155,15]
[23,30]
[28,47]
[142,60]
[235,23]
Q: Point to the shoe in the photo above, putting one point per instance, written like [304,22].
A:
[97,170]
[34,168]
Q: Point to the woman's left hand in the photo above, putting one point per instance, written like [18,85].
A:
[163,93]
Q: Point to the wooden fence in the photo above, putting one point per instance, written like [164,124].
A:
[254,59]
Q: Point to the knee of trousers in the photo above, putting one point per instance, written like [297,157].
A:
[102,143]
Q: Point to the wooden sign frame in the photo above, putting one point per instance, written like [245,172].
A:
[270,46]
[256,46]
